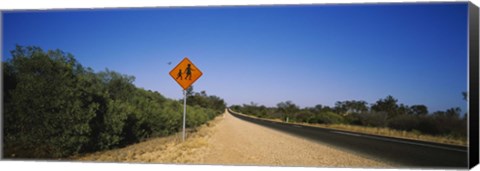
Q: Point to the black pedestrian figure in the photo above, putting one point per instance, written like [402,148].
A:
[179,75]
[189,72]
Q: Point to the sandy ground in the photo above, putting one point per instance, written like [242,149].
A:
[230,141]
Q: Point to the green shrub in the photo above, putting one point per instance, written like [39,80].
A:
[327,117]
[374,119]
[56,108]
[404,122]
[45,115]
[353,119]
[304,116]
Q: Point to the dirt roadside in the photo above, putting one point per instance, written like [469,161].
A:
[228,140]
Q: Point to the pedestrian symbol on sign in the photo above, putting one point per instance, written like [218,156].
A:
[189,72]
[179,75]
[185,73]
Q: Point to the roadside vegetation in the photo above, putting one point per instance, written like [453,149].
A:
[384,117]
[53,107]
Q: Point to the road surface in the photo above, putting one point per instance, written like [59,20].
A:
[228,140]
[399,152]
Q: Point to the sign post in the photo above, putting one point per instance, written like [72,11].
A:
[185,74]
[184,113]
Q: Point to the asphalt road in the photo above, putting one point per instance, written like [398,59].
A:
[401,152]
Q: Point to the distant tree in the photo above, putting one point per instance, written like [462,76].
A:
[388,105]
[419,110]
[287,109]
[453,112]
[346,107]
[359,106]
[318,108]
[190,91]
[341,108]
[403,110]
[236,108]
[203,93]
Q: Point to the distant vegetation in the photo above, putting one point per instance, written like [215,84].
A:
[54,107]
[384,113]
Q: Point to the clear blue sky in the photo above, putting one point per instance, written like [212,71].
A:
[268,54]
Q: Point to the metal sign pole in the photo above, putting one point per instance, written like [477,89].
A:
[184,112]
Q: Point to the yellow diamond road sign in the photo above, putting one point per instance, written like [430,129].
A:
[185,73]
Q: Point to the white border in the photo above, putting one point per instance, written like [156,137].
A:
[18,5]
[88,4]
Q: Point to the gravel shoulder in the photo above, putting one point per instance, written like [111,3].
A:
[228,140]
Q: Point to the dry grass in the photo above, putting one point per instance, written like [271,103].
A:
[413,135]
[168,149]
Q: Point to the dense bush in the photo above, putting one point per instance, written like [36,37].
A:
[203,100]
[385,113]
[374,119]
[404,122]
[54,107]
[428,125]
[304,116]
[45,114]
[353,119]
[327,118]
[256,110]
